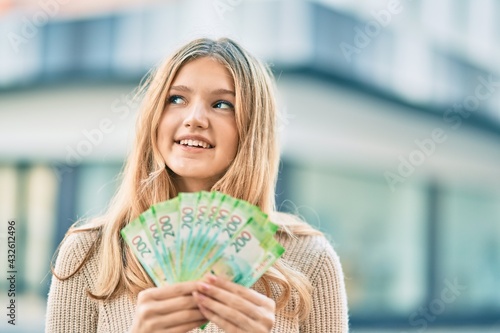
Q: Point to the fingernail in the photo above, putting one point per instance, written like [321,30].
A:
[204,286]
[201,297]
[211,278]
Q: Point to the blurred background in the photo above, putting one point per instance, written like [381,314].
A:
[390,137]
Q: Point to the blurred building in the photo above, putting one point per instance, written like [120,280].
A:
[390,135]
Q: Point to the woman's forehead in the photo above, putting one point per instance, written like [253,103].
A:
[204,71]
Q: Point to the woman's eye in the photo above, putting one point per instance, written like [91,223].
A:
[223,105]
[175,99]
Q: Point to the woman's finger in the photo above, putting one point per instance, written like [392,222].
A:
[161,293]
[179,318]
[160,301]
[164,307]
[228,315]
[228,321]
[248,301]
[250,295]
[171,308]
[230,301]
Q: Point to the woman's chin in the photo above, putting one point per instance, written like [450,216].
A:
[192,182]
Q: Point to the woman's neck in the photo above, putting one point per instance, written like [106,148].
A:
[193,185]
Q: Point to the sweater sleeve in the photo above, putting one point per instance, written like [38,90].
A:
[329,307]
[69,308]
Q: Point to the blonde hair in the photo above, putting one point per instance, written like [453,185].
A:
[251,176]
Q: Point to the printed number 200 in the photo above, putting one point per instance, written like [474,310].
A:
[141,245]
[240,241]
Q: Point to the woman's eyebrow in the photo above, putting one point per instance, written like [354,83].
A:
[181,88]
[220,91]
[223,91]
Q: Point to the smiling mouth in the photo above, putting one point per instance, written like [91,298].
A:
[195,144]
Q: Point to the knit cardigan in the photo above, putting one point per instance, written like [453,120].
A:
[69,308]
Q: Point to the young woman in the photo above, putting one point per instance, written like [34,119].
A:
[208,122]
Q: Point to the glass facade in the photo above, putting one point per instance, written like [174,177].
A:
[380,236]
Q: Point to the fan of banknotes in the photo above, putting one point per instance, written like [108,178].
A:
[196,233]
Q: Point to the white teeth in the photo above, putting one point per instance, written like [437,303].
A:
[194,143]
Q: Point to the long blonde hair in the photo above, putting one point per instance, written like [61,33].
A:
[251,176]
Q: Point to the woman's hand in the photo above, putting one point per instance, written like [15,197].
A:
[170,308]
[234,308]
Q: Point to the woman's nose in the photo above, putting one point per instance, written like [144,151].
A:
[197,116]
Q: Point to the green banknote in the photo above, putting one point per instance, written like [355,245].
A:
[204,242]
[166,216]
[150,226]
[184,238]
[188,205]
[137,239]
[253,248]
[273,252]
[196,236]
[228,220]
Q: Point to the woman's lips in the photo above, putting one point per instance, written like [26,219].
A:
[194,143]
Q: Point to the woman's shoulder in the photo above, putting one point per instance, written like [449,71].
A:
[76,248]
[304,246]
[307,249]
[79,240]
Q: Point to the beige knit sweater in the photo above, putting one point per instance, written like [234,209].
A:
[69,309]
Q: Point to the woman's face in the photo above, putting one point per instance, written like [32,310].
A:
[197,134]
